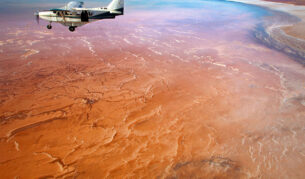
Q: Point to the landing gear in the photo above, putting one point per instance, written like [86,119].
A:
[49,26]
[72,29]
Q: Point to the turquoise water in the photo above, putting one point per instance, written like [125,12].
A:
[217,5]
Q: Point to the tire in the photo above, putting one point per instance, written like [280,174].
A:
[72,29]
[49,27]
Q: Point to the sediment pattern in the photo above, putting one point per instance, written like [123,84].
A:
[271,33]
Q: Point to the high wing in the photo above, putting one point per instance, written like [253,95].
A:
[116,7]
[103,9]
[70,6]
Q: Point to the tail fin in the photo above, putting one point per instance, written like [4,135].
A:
[116,5]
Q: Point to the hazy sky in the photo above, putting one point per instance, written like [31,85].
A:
[26,4]
[44,4]
[29,6]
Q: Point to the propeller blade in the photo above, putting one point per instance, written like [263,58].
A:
[37,17]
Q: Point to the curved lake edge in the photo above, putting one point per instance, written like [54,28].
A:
[270,31]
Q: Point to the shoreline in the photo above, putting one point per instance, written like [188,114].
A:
[284,30]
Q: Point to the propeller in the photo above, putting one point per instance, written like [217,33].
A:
[37,17]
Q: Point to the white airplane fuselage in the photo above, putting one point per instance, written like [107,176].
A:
[74,18]
[74,15]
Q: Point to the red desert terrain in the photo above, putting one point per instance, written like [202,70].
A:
[141,97]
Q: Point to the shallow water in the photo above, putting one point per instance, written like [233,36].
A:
[169,90]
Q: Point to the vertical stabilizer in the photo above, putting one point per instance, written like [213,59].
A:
[116,5]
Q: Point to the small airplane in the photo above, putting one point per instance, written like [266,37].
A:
[75,15]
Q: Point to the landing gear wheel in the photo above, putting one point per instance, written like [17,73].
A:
[49,26]
[72,29]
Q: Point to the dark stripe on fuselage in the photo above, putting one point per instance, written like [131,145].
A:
[100,16]
[106,15]
[103,16]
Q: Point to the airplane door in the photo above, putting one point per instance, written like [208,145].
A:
[85,16]
[58,17]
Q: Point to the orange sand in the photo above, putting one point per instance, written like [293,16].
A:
[181,106]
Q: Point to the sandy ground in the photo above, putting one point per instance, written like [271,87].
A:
[147,98]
